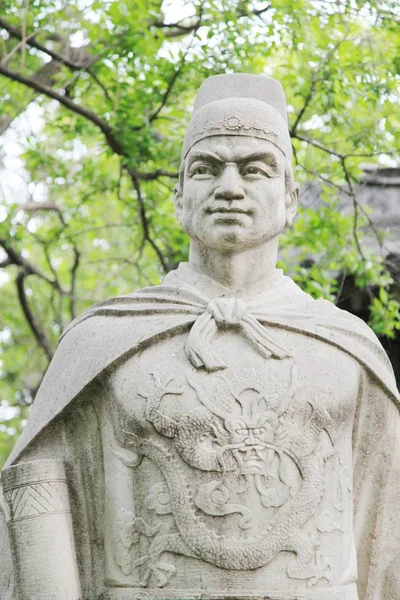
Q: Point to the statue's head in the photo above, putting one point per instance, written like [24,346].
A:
[236,187]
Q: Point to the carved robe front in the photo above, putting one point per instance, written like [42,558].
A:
[240,446]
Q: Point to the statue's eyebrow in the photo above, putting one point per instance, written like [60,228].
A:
[205,156]
[266,157]
[258,156]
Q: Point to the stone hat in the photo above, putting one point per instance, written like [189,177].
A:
[240,104]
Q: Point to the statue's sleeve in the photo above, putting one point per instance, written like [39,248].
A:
[376,456]
[74,441]
[40,530]
[6,572]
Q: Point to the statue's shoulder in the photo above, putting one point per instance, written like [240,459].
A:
[324,312]
[341,317]
[94,341]
[100,317]
[357,339]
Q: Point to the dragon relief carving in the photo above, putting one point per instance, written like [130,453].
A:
[244,427]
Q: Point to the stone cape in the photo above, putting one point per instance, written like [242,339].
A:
[113,332]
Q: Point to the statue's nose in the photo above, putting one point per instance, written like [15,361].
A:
[229,186]
[250,441]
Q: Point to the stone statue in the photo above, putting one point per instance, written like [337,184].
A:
[222,435]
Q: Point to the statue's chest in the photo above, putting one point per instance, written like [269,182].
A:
[231,466]
[252,403]
[257,431]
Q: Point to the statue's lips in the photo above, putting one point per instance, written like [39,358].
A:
[228,211]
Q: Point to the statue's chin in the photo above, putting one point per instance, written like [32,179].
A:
[233,237]
[224,234]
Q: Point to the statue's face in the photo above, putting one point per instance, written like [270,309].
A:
[234,194]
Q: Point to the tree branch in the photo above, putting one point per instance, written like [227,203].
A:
[314,81]
[168,91]
[151,176]
[260,11]
[145,224]
[74,271]
[68,103]
[45,76]
[178,71]
[307,100]
[106,129]
[355,206]
[100,228]
[317,144]
[185,26]
[17,259]
[339,155]
[14,50]
[37,331]
[61,58]
[342,189]
[178,29]
[100,84]
[38,206]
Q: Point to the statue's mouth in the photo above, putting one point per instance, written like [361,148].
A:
[227,211]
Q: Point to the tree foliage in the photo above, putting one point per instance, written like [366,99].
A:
[89,213]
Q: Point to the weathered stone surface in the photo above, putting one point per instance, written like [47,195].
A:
[6,576]
[223,434]
[40,530]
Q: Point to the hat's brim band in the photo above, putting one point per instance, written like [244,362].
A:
[236,134]
[242,117]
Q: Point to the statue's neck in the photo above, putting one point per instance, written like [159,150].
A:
[235,270]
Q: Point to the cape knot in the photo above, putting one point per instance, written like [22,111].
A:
[227,311]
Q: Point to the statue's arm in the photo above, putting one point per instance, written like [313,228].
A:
[39,523]
[73,440]
[376,455]
[6,572]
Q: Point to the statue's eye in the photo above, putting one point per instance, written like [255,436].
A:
[201,171]
[254,171]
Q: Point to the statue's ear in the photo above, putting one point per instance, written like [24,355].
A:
[292,202]
[178,200]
